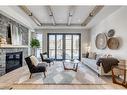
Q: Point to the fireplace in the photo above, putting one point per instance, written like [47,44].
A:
[13,61]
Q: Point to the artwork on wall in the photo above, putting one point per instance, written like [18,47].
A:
[111,33]
[16,35]
[101,41]
[113,43]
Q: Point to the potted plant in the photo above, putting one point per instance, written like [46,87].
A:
[35,44]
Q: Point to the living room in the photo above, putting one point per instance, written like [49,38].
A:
[73,38]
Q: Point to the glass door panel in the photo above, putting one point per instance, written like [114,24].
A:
[68,46]
[75,46]
[59,49]
[64,46]
[52,46]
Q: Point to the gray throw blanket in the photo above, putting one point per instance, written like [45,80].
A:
[107,63]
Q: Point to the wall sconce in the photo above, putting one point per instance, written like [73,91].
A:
[88,49]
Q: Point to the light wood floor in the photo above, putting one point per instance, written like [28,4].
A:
[14,79]
[87,87]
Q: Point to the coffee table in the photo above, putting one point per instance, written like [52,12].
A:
[71,65]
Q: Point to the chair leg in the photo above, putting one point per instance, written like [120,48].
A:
[44,75]
[53,62]
[45,70]
[30,75]
[49,64]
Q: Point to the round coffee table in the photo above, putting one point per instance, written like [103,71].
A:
[71,65]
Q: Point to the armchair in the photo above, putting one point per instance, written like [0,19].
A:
[41,67]
[45,58]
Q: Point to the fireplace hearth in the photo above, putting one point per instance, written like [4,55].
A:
[13,61]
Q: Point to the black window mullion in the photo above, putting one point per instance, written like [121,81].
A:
[48,45]
[55,47]
[71,46]
[79,47]
[64,47]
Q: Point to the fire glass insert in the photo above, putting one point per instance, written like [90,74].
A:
[13,61]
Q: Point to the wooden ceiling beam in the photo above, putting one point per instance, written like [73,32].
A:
[93,13]
[30,14]
[70,15]
[51,14]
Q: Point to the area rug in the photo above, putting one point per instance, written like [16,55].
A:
[57,75]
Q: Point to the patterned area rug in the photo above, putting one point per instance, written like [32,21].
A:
[57,75]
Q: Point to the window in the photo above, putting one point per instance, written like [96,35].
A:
[39,50]
[64,46]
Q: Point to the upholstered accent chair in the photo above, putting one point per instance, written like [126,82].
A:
[45,58]
[40,67]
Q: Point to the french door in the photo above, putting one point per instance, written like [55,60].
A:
[64,46]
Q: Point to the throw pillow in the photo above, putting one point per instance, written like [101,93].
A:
[87,55]
[34,60]
[92,55]
[98,56]
[45,56]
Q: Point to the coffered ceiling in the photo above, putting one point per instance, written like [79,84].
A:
[85,16]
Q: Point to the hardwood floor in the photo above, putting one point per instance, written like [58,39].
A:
[14,79]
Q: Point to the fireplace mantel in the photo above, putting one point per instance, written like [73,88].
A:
[13,46]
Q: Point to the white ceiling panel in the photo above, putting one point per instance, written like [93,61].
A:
[81,13]
[105,12]
[41,13]
[60,14]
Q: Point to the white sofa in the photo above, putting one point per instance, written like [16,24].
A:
[91,63]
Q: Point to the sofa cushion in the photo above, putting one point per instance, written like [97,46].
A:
[98,56]
[85,55]
[92,55]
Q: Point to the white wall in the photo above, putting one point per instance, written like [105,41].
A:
[85,36]
[118,22]
[14,13]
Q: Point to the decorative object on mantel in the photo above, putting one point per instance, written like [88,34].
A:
[2,40]
[101,41]
[35,44]
[111,33]
[113,43]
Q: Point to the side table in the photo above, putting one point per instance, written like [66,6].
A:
[124,70]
